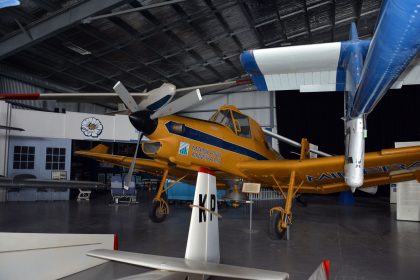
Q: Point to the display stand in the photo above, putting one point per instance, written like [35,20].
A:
[84,195]
[251,188]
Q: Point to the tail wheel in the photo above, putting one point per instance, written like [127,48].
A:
[158,211]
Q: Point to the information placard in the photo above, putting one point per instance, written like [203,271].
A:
[251,188]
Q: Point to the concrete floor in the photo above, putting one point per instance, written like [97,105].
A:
[362,242]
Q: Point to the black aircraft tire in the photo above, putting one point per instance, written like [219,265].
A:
[273,231]
[154,213]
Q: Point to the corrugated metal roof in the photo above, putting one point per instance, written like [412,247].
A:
[187,43]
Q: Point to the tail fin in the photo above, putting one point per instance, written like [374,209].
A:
[100,149]
[304,149]
[353,32]
[203,236]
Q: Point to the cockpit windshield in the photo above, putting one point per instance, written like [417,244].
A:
[223,117]
[242,125]
[237,122]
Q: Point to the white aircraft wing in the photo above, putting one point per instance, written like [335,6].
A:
[187,266]
[53,184]
[112,97]
[410,76]
[158,275]
[308,68]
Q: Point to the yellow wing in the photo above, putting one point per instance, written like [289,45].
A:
[152,166]
[326,175]
[99,153]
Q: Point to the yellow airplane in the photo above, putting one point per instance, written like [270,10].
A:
[233,146]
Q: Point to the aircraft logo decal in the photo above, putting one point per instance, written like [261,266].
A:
[91,127]
[206,154]
[184,147]
[205,138]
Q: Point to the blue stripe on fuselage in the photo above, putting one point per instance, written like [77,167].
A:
[200,136]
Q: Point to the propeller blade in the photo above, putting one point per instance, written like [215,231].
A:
[178,105]
[126,97]
[127,179]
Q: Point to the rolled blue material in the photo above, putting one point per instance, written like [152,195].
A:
[346,198]
[9,3]
[395,44]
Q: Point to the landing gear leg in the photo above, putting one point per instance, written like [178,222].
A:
[160,208]
[281,218]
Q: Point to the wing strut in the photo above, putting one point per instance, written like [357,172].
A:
[293,143]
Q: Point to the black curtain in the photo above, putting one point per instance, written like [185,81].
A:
[317,116]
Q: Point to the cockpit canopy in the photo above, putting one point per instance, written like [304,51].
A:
[236,121]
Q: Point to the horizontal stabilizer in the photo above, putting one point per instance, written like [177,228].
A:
[188,266]
[100,149]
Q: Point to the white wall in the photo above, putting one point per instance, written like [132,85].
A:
[68,126]
[40,145]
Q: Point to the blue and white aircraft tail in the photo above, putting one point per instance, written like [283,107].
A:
[202,254]
[364,69]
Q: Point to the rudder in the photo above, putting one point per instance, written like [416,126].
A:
[203,235]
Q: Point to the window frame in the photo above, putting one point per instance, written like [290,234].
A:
[249,136]
[24,153]
[55,158]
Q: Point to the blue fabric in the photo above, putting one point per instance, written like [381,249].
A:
[350,66]
[346,198]
[250,66]
[395,43]
[9,3]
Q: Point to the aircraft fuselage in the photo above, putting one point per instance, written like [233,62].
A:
[191,143]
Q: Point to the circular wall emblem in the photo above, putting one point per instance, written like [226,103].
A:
[91,127]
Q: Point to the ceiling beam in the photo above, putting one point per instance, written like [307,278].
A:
[247,14]
[333,5]
[48,5]
[55,24]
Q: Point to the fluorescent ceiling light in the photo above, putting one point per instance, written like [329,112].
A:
[76,48]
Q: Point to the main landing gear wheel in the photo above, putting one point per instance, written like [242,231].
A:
[275,230]
[279,223]
[158,211]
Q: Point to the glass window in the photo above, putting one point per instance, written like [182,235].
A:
[55,159]
[242,125]
[23,157]
[223,117]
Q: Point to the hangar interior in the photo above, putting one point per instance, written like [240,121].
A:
[87,46]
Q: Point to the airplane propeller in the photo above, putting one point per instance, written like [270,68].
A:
[144,119]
